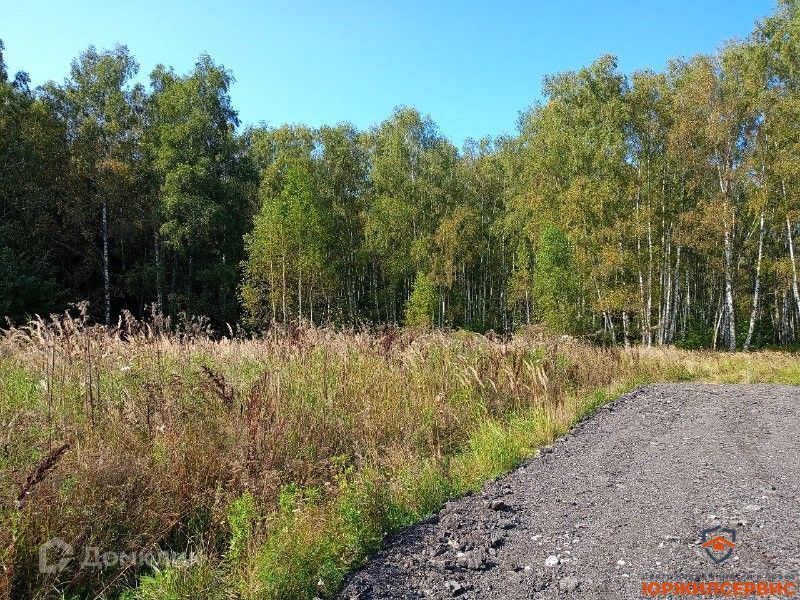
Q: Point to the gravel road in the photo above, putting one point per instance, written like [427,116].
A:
[622,499]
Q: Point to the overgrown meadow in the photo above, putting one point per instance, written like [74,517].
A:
[270,467]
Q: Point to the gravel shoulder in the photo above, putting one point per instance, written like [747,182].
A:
[621,499]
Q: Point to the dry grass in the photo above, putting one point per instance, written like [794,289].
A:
[279,462]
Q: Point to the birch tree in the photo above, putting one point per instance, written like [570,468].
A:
[98,105]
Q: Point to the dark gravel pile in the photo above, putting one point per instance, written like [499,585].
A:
[621,499]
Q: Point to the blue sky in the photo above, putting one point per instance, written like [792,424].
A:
[472,66]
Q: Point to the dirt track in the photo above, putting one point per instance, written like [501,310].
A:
[623,498]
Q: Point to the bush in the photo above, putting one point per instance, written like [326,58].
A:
[421,305]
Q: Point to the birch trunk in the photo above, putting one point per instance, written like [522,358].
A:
[687,305]
[785,319]
[272,292]
[643,306]
[300,296]
[757,287]
[729,290]
[666,284]
[106,273]
[283,285]
[159,292]
[626,328]
[648,324]
[794,265]
[676,288]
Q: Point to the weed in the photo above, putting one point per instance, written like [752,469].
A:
[282,461]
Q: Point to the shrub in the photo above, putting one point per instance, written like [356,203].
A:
[421,305]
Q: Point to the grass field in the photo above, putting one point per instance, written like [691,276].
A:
[270,467]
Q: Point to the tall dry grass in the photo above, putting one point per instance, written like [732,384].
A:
[280,462]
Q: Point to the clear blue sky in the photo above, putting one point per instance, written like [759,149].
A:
[472,66]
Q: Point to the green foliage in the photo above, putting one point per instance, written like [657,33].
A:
[241,520]
[419,490]
[179,582]
[286,264]
[412,177]
[521,289]
[421,305]
[696,336]
[153,195]
[25,287]
[31,136]
[312,546]
[203,180]
[309,547]
[555,284]
[283,460]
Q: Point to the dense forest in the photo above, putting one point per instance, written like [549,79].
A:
[653,208]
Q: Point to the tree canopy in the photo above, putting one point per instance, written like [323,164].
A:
[650,207]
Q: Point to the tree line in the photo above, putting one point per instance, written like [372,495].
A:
[655,207]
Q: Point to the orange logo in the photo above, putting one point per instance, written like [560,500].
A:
[719,544]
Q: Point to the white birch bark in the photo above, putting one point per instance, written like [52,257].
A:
[106,269]
[729,310]
[794,264]
[756,286]
[159,292]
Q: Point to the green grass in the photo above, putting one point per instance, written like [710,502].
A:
[284,462]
